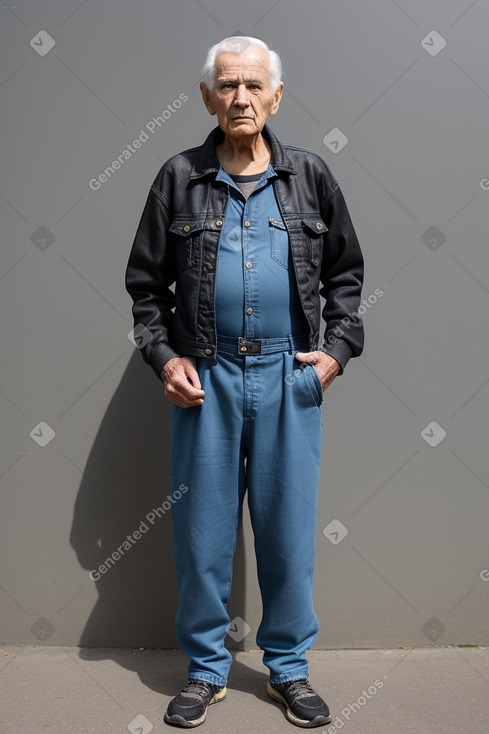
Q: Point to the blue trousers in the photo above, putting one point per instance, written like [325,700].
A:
[258,430]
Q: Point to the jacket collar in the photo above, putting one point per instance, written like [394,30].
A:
[207,161]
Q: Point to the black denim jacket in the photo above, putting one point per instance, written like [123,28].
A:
[177,243]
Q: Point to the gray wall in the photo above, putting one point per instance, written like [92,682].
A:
[405,465]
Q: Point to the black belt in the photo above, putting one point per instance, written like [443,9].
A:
[238,345]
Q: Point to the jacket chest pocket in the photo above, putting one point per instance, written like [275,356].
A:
[279,242]
[313,228]
[187,237]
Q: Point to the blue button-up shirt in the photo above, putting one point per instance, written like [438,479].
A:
[256,291]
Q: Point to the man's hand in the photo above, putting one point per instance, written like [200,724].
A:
[327,367]
[182,384]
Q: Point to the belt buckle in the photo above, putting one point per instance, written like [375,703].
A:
[249,346]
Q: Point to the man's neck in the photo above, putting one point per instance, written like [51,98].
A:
[243,155]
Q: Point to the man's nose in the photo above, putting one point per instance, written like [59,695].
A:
[241,98]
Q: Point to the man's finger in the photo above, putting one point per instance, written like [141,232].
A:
[179,395]
[192,373]
[184,403]
[179,388]
[309,357]
[180,384]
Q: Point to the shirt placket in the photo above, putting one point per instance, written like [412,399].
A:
[254,230]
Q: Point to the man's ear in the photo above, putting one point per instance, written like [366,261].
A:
[207,97]
[276,100]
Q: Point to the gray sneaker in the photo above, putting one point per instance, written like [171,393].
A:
[189,707]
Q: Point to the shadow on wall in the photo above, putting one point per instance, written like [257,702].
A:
[122,512]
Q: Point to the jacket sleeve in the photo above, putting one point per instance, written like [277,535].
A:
[150,272]
[342,280]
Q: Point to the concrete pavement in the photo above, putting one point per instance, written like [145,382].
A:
[66,690]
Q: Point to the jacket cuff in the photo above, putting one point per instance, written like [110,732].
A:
[159,356]
[339,350]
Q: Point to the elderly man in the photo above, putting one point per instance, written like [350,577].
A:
[251,232]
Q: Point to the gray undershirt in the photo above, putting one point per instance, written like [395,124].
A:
[247,182]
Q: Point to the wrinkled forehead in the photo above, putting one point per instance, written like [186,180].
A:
[251,63]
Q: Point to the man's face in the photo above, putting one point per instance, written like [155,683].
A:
[242,97]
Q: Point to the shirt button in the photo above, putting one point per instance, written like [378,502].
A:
[249,311]
[247,224]
[248,265]
[208,351]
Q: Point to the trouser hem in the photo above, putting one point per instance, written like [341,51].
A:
[286,677]
[208,678]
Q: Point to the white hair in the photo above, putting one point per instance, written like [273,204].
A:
[236,45]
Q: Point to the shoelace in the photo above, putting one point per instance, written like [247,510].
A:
[300,689]
[196,688]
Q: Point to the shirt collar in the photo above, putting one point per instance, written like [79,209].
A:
[207,161]
[222,175]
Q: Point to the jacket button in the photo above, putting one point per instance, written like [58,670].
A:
[243,349]
[247,224]
[249,311]
[186,227]
[319,225]
[208,351]
[248,265]
[218,222]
